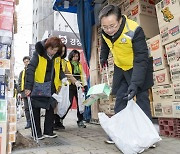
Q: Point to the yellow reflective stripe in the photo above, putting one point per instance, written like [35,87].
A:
[22,80]
[57,81]
[41,70]
[63,63]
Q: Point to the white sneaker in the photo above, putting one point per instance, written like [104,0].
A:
[50,135]
[153,146]
[109,142]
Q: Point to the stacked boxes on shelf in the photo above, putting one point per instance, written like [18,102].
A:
[7,102]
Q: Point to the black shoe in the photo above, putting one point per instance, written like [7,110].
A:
[41,137]
[58,126]
[28,125]
[53,135]
[81,124]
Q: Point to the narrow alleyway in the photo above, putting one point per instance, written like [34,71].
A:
[90,140]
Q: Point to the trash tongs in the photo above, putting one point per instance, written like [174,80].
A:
[33,125]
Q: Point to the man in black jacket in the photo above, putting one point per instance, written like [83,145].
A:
[132,64]
[21,82]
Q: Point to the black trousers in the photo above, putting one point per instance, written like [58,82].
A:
[72,94]
[48,122]
[120,86]
[26,110]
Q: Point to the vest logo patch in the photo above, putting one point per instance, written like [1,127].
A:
[57,60]
[123,40]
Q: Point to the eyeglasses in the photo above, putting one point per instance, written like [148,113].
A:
[111,27]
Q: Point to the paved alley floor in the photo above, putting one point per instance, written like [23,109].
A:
[90,140]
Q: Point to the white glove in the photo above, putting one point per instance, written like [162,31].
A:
[19,95]
[78,84]
[65,81]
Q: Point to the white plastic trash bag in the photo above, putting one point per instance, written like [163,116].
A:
[130,129]
[81,99]
[63,100]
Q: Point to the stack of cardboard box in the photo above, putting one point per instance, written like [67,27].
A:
[141,11]
[165,49]
[7,102]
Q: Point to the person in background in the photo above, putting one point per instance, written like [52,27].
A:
[75,68]
[21,84]
[133,67]
[45,66]
[58,122]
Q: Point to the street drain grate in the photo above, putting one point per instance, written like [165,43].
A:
[50,142]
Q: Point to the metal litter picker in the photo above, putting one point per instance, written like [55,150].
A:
[33,125]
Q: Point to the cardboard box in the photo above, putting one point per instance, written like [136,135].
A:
[170,32]
[12,137]
[12,110]
[94,37]
[95,110]
[147,6]
[107,108]
[12,118]
[163,109]
[157,52]
[167,11]
[163,93]
[141,7]
[176,88]
[148,23]
[173,51]
[94,77]
[176,109]
[162,77]
[94,61]
[158,112]
[11,102]
[12,127]
[9,148]
[175,71]
[3,137]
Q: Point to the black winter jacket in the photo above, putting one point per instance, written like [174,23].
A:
[41,102]
[141,74]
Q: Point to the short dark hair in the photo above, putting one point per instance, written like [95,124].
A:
[110,10]
[53,42]
[26,57]
[65,51]
[72,53]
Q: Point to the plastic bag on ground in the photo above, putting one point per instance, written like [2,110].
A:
[63,100]
[81,99]
[130,129]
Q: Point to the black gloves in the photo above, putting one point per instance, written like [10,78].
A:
[85,89]
[132,91]
[104,64]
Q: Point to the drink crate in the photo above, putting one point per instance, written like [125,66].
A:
[169,127]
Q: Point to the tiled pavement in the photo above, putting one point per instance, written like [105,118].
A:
[90,140]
